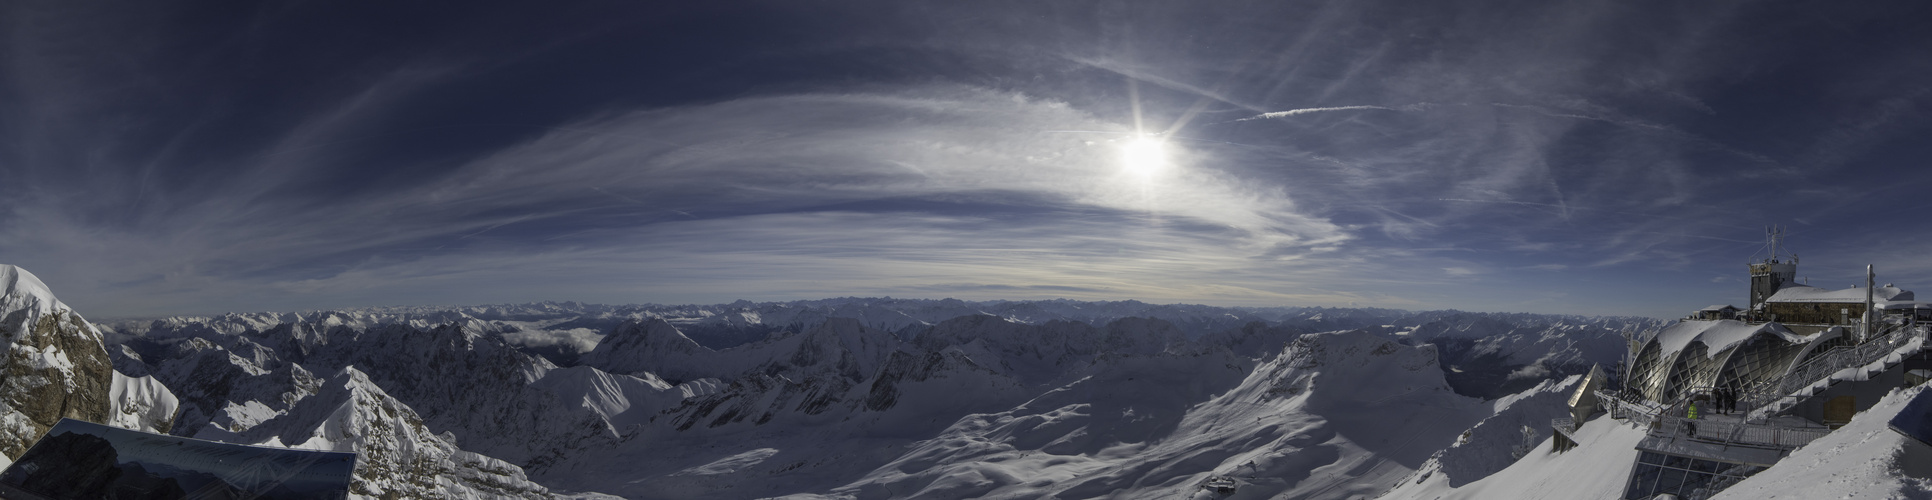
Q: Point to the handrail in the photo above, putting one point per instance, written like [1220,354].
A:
[1738,433]
[1621,409]
[1565,425]
[1829,363]
[1670,420]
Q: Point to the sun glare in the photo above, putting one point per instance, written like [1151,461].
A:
[1144,156]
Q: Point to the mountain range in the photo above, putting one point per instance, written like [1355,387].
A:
[834,398]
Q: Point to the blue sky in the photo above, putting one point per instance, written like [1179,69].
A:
[1593,157]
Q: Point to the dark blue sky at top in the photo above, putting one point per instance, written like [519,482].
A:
[1595,157]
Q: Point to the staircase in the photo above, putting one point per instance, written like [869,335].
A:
[1825,370]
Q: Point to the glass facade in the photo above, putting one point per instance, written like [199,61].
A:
[1682,476]
[1665,377]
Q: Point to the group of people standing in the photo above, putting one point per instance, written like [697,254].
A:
[1724,400]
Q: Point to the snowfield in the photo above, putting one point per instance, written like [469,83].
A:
[1596,469]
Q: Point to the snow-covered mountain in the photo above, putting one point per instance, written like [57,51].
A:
[55,367]
[398,457]
[1334,415]
[873,398]
[231,387]
[1490,355]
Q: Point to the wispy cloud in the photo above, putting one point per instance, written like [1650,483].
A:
[916,148]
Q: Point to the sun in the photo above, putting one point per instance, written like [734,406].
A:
[1143,156]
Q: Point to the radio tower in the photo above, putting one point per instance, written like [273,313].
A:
[1772,273]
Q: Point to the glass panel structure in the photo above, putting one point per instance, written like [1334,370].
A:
[1647,379]
[1689,362]
[1757,362]
[1657,473]
[1666,377]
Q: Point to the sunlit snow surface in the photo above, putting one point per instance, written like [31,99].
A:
[1336,415]
[1596,469]
[1863,459]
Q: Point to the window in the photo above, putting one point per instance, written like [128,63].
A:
[1659,473]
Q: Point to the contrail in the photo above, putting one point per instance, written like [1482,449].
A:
[1303,111]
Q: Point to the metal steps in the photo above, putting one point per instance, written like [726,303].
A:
[1908,341]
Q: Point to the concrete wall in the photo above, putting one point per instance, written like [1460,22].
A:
[1827,313]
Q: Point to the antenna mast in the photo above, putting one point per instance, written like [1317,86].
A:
[1772,273]
[1775,235]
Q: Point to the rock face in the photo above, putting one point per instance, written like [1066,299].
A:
[398,457]
[655,345]
[55,367]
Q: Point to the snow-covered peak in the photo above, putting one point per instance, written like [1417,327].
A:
[649,345]
[397,453]
[20,289]
[652,332]
[854,347]
[1352,367]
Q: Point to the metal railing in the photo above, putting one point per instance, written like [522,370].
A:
[1738,433]
[1567,426]
[1822,367]
[1673,421]
[1636,413]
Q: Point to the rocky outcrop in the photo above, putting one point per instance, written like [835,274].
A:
[55,367]
[398,457]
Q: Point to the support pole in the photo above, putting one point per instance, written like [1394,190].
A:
[1865,327]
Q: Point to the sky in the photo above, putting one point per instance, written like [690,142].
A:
[1600,157]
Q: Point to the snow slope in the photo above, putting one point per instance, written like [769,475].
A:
[1335,415]
[1863,459]
[1596,469]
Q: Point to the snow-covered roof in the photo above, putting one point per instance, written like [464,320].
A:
[1717,308]
[1718,335]
[1804,293]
